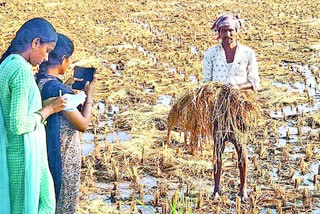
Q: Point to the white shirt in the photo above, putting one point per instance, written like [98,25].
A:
[244,67]
[229,66]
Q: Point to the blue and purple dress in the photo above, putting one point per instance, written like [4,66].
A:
[64,149]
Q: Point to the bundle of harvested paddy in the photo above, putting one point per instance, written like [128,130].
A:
[213,109]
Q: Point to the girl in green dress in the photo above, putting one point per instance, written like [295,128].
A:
[25,177]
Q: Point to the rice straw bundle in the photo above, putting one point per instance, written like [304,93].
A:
[213,109]
[235,112]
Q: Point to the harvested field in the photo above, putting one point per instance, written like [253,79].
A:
[148,54]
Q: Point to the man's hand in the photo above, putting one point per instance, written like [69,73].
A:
[236,86]
[243,86]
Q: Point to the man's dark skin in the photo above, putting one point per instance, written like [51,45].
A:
[228,36]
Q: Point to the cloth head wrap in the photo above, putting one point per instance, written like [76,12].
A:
[227,20]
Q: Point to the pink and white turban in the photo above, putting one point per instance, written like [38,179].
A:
[227,20]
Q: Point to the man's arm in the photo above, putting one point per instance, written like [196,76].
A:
[207,68]
[253,73]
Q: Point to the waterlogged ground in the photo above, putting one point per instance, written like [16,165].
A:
[284,175]
[147,54]
[292,158]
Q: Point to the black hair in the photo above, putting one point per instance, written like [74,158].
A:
[34,28]
[63,48]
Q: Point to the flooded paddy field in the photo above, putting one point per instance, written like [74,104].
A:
[148,53]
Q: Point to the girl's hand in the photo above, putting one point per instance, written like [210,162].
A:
[71,80]
[58,104]
[90,88]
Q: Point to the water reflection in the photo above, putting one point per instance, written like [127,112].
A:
[118,137]
[306,72]
[164,100]
[87,148]
[290,134]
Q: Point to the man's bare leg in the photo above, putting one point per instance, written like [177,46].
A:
[243,168]
[219,148]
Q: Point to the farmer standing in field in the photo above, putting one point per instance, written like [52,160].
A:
[231,63]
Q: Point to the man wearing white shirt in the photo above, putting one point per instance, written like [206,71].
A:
[231,63]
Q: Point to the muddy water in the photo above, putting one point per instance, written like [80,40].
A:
[150,184]
[305,71]
[289,134]
[89,138]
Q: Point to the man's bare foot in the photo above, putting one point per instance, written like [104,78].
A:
[244,196]
[215,195]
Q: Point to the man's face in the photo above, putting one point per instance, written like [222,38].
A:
[228,34]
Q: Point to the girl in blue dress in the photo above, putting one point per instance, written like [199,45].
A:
[64,151]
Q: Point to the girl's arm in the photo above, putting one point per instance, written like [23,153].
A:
[81,120]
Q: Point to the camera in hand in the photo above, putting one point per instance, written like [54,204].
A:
[82,73]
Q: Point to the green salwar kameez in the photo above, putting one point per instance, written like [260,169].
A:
[19,99]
